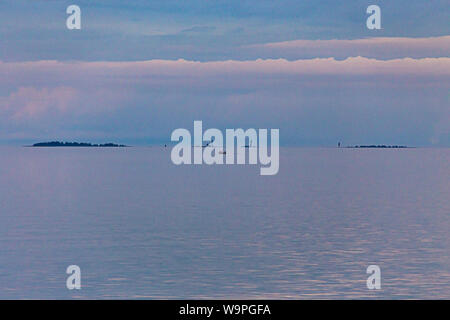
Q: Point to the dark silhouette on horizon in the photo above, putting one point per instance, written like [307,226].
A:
[75,144]
[379,146]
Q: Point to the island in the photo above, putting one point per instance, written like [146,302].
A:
[76,144]
[379,146]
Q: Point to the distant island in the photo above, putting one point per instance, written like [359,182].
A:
[378,146]
[75,144]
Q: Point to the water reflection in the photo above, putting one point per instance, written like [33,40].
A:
[140,227]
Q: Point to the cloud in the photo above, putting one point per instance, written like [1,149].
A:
[379,47]
[139,30]
[29,102]
[183,68]
[198,29]
[312,102]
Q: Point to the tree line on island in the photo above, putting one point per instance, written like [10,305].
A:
[75,144]
[378,146]
[87,144]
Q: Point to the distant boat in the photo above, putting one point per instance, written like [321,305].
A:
[208,143]
[250,145]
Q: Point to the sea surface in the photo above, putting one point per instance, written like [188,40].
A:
[140,227]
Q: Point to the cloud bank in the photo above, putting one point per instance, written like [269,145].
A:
[379,48]
[312,101]
[24,71]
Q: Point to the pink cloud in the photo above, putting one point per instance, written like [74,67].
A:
[143,71]
[357,95]
[367,47]
[52,93]
[379,48]
[29,102]
[410,43]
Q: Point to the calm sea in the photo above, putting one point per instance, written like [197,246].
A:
[140,227]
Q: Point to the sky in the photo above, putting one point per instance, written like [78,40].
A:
[138,70]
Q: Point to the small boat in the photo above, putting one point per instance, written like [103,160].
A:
[208,143]
[250,145]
